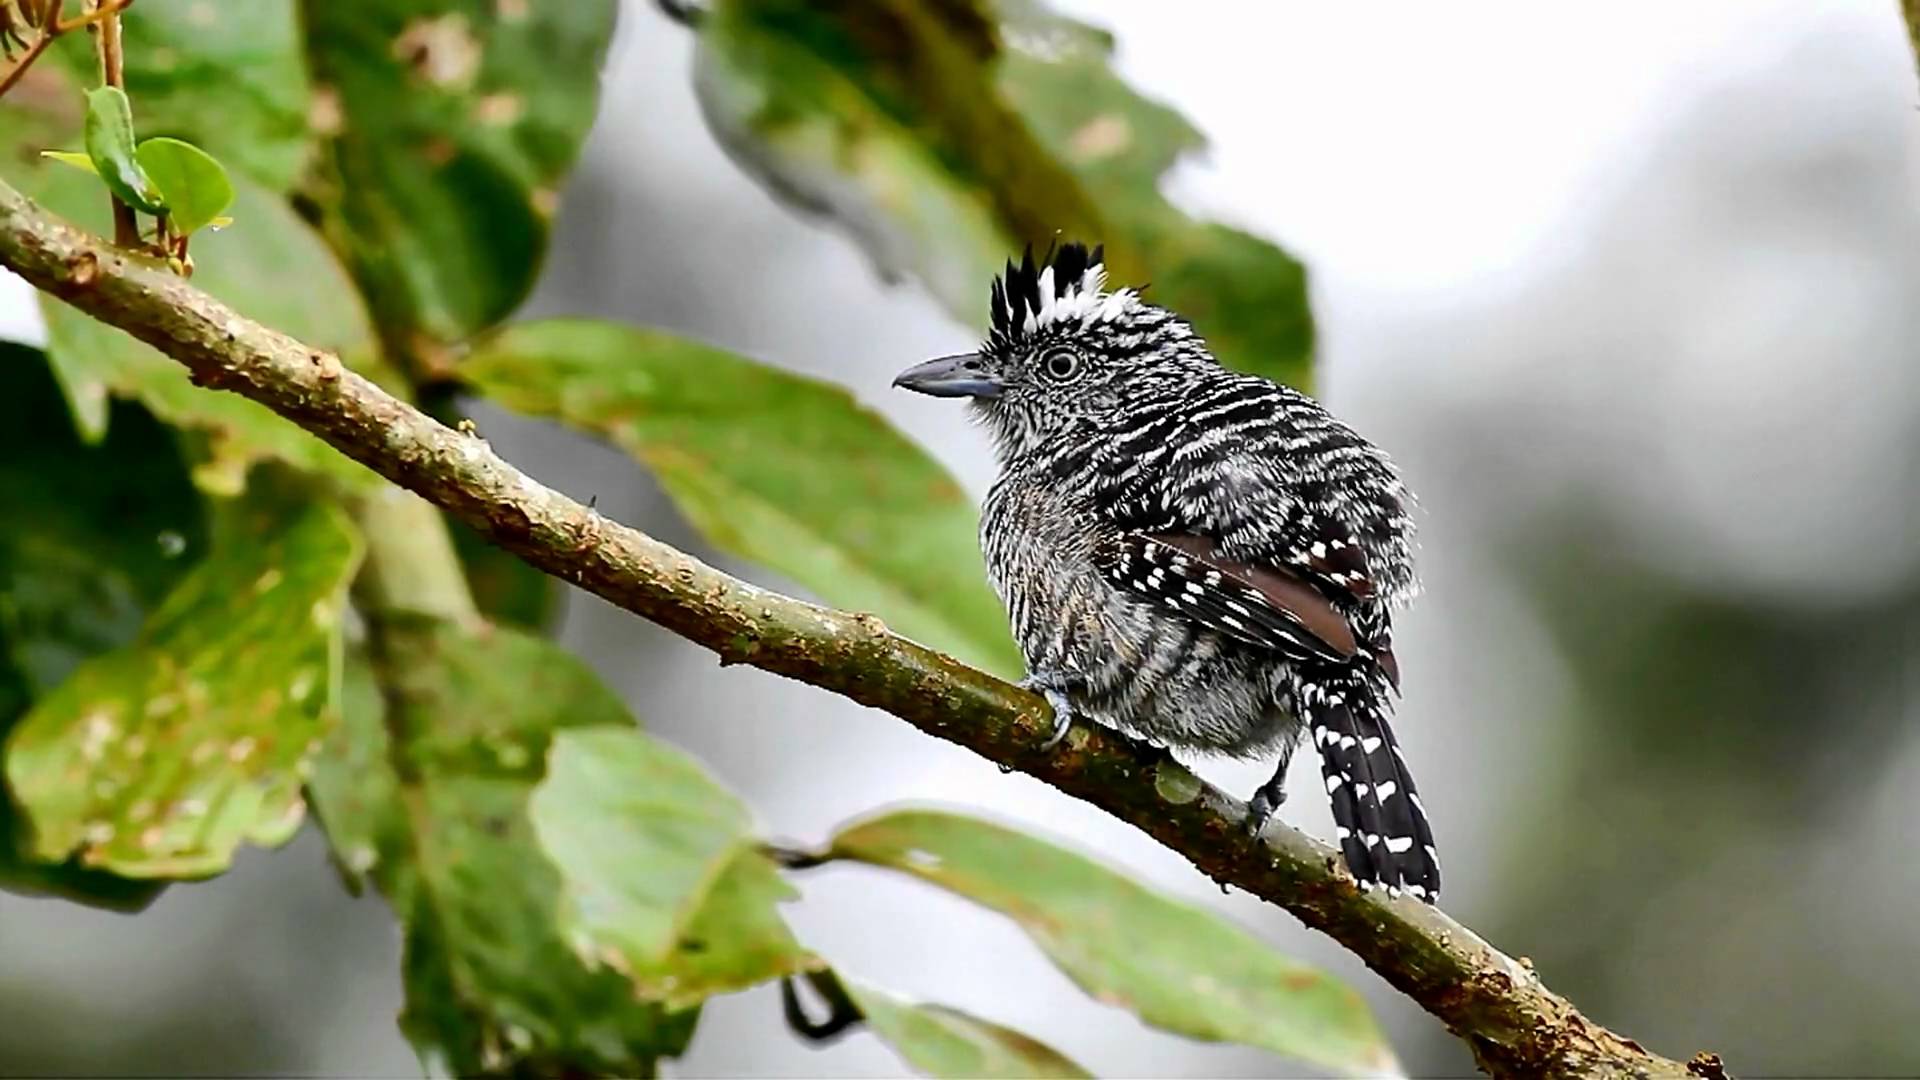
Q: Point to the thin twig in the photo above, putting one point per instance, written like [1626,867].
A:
[52,32]
[87,19]
[1513,1023]
[26,61]
[842,1012]
[104,20]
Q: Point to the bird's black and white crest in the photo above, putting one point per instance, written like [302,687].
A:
[1068,283]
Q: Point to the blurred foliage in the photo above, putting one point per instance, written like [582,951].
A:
[775,467]
[943,133]
[180,671]
[160,757]
[1177,966]
[945,1042]
[504,588]
[92,537]
[449,125]
[228,78]
[1715,737]
[424,790]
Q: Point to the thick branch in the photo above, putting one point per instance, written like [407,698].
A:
[1515,1025]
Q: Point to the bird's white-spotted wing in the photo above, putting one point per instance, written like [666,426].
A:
[1265,606]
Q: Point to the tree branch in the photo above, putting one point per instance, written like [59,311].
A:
[1514,1024]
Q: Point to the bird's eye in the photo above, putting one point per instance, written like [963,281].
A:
[1061,363]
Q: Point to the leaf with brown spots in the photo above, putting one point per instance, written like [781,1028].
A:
[1176,966]
[159,759]
[92,539]
[452,122]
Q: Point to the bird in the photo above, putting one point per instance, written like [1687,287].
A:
[1195,555]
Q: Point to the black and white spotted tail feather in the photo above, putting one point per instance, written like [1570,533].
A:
[1382,828]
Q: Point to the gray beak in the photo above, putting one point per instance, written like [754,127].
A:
[951,376]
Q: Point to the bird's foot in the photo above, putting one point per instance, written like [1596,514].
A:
[1051,688]
[1261,807]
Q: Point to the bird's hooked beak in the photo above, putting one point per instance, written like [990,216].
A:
[963,375]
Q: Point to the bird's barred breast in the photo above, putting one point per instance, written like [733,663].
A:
[1134,667]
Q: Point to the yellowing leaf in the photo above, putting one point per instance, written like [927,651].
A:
[72,157]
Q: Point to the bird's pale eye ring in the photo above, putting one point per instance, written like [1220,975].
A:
[1061,364]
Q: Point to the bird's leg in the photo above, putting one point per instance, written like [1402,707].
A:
[1271,794]
[1053,686]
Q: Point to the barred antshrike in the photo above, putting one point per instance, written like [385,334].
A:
[1202,557]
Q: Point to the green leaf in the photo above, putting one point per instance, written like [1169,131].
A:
[160,758]
[110,147]
[783,470]
[194,186]
[424,789]
[944,1042]
[943,136]
[1177,966]
[456,120]
[228,77]
[77,159]
[91,539]
[248,268]
[662,881]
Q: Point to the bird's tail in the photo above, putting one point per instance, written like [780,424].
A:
[1382,828]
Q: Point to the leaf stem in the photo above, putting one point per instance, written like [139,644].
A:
[103,21]
[411,565]
[793,858]
[842,1012]
[26,61]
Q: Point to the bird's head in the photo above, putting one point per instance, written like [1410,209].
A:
[1063,355]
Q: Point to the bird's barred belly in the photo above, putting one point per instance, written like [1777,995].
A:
[1127,664]
[1164,679]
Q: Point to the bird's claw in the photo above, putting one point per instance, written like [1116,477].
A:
[1062,720]
[1062,709]
[1260,808]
